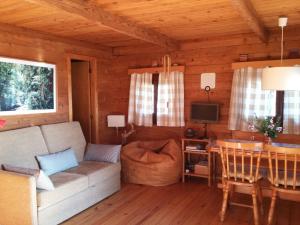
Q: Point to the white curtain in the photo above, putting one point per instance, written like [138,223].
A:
[170,102]
[141,100]
[248,99]
[291,112]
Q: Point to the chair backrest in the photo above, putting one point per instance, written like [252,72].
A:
[240,160]
[283,165]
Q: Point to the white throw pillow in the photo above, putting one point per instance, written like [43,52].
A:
[44,182]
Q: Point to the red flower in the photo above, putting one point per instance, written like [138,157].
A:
[2,123]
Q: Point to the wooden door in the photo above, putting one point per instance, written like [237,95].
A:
[80,72]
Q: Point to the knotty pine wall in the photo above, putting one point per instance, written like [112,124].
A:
[25,44]
[206,55]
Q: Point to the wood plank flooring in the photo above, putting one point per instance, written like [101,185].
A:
[179,204]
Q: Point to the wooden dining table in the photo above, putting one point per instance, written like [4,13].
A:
[214,149]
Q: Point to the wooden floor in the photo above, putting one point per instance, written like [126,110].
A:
[189,203]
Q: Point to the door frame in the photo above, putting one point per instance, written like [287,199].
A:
[93,93]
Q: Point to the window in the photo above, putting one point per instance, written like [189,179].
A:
[26,87]
[291,112]
[249,100]
[163,97]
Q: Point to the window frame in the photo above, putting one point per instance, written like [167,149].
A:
[155,81]
[280,106]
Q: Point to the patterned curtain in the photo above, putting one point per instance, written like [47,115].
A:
[248,99]
[141,100]
[170,102]
[291,112]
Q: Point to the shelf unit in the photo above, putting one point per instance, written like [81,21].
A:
[187,154]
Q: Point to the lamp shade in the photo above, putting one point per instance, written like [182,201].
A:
[281,78]
[116,120]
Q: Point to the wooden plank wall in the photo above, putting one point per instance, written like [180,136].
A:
[207,55]
[23,44]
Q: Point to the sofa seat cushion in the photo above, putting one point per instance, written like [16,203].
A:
[66,185]
[96,171]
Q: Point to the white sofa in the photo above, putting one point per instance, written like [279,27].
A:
[75,189]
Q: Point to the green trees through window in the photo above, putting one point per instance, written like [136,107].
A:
[26,87]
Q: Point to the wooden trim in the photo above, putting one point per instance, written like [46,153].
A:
[94,13]
[69,72]
[155,69]
[93,87]
[246,10]
[94,99]
[265,63]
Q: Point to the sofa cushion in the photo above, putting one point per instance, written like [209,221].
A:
[44,182]
[103,153]
[65,135]
[96,171]
[57,162]
[66,185]
[19,147]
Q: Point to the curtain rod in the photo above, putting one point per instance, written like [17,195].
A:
[155,69]
[265,63]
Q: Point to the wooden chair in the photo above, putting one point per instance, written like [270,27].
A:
[240,165]
[283,175]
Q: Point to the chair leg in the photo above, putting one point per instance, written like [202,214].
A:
[260,199]
[232,187]
[225,202]
[255,209]
[272,207]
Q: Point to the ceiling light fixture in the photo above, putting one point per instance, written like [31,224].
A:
[281,77]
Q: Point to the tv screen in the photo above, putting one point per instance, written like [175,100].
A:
[205,112]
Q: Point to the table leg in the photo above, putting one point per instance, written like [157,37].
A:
[209,169]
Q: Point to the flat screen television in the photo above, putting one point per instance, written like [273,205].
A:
[204,112]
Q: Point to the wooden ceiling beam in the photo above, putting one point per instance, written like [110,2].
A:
[247,11]
[92,12]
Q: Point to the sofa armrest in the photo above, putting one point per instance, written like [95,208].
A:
[17,199]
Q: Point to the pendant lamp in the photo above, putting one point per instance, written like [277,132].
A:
[282,77]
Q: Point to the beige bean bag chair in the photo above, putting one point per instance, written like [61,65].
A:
[155,163]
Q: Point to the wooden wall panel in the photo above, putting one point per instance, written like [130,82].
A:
[206,55]
[21,44]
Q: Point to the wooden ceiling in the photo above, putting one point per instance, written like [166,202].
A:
[162,22]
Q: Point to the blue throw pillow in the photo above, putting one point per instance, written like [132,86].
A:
[57,162]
